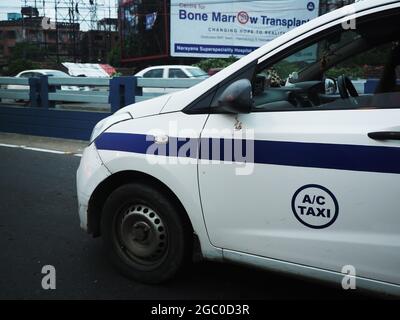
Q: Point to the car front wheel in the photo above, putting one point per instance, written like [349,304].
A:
[144,233]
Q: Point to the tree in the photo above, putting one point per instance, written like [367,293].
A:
[114,57]
[23,57]
[15,66]
[207,64]
[28,51]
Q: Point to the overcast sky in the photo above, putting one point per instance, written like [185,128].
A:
[102,8]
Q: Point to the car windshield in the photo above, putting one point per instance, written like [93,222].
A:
[303,64]
[196,72]
[335,55]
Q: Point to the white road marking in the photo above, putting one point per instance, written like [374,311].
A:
[43,150]
[9,145]
[38,149]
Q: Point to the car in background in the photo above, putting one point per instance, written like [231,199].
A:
[171,72]
[43,72]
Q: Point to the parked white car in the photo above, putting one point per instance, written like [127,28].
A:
[42,72]
[170,72]
[290,178]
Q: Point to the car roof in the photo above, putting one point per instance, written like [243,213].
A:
[42,71]
[166,66]
[171,66]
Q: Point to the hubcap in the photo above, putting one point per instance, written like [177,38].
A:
[142,234]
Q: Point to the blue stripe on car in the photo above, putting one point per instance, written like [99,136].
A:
[298,154]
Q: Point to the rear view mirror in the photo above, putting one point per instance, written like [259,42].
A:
[330,86]
[237,97]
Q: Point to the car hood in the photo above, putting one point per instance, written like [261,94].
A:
[147,107]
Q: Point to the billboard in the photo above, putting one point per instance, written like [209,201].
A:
[218,28]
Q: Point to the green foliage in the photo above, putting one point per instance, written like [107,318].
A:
[28,51]
[114,57]
[354,72]
[285,68]
[17,65]
[207,64]
[23,57]
[354,66]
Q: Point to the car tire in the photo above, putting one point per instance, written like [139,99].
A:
[144,234]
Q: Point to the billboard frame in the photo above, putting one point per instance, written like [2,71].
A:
[149,57]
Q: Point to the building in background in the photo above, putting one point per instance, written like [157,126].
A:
[141,33]
[96,45]
[14,16]
[30,31]
[74,34]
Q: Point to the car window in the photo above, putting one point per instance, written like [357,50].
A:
[196,72]
[26,75]
[154,73]
[176,73]
[344,69]
[57,74]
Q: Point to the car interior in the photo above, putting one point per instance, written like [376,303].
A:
[308,86]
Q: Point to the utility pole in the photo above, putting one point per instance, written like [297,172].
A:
[73,30]
[109,44]
[57,47]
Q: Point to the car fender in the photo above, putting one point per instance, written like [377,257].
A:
[178,174]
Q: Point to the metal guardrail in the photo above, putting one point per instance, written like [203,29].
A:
[167,83]
[42,117]
[14,81]
[78,81]
[14,94]
[44,91]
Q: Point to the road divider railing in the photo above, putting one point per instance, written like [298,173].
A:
[45,91]
[40,116]
[14,88]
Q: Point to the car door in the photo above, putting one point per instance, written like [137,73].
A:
[156,73]
[22,87]
[306,181]
[175,73]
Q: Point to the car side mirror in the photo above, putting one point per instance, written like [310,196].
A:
[237,97]
[330,86]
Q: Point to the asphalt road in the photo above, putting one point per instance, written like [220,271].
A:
[39,226]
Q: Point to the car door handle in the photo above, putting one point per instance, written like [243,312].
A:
[385,135]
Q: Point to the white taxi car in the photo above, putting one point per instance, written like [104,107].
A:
[296,174]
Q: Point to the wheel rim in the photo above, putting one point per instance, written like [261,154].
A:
[142,235]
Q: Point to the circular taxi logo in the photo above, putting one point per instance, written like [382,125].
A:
[243,17]
[315,206]
[311,6]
